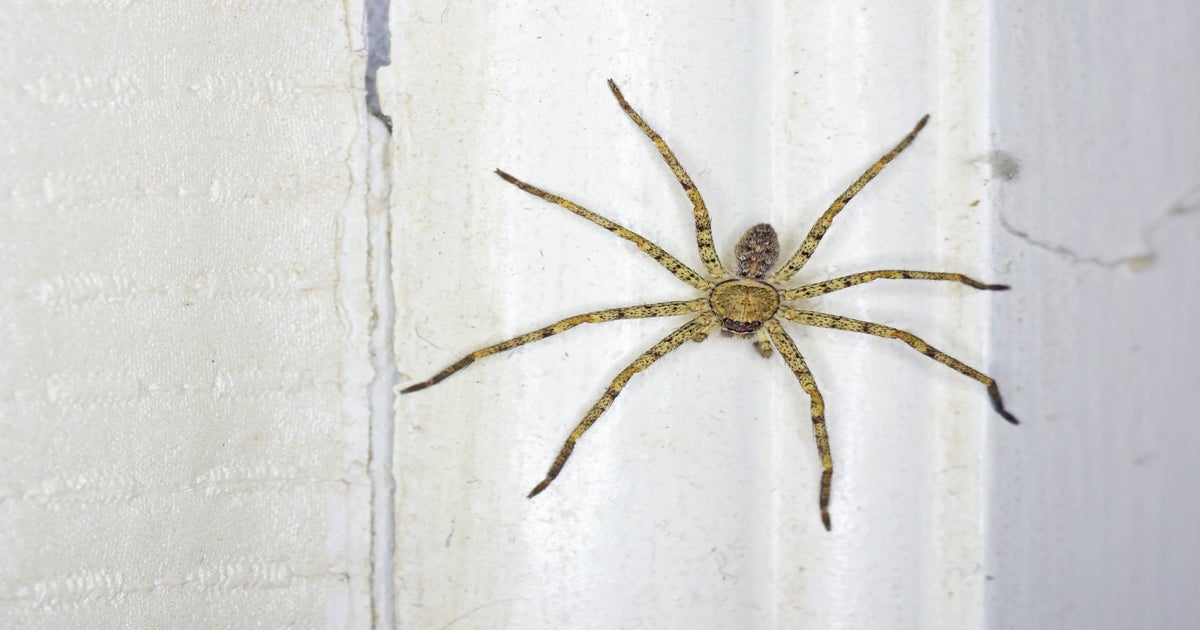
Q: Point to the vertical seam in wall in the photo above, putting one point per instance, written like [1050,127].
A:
[955,540]
[382,394]
[383,316]
[991,422]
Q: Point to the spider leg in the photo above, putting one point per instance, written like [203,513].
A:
[822,225]
[762,341]
[672,264]
[825,320]
[704,239]
[656,352]
[792,356]
[662,309]
[845,282]
[703,332]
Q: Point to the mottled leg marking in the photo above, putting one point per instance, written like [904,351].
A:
[822,225]
[787,348]
[662,309]
[672,341]
[845,282]
[672,264]
[704,240]
[825,320]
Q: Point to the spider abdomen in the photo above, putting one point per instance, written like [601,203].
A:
[743,305]
[757,251]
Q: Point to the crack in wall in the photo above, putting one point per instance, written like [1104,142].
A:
[1186,204]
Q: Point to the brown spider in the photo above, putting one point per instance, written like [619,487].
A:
[746,302]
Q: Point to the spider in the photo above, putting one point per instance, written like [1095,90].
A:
[749,301]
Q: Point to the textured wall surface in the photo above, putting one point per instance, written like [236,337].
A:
[182,316]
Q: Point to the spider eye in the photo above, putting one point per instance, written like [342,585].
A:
[757,251]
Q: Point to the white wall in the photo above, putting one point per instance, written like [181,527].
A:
[1093,509]
[182,316]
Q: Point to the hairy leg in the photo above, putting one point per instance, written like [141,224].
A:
[672,341]
[822,225]
[791,355]
[845,282]
[704,239]
[672,264]
[825,320]
[662,309]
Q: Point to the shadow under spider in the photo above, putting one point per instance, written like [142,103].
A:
[749,301]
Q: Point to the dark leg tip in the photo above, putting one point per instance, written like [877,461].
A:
[538,489]
[825,521]
[998,404]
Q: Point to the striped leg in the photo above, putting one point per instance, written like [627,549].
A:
[792,356]
[845,282]
[690,330]
[822,225]
[825,320]
[672,264]
[704,239]
[662,309]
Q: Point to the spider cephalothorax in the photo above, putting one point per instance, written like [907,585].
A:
[743,305]
[747,301]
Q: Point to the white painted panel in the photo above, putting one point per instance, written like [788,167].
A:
[182,316]
[1094,508]
[693,501]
